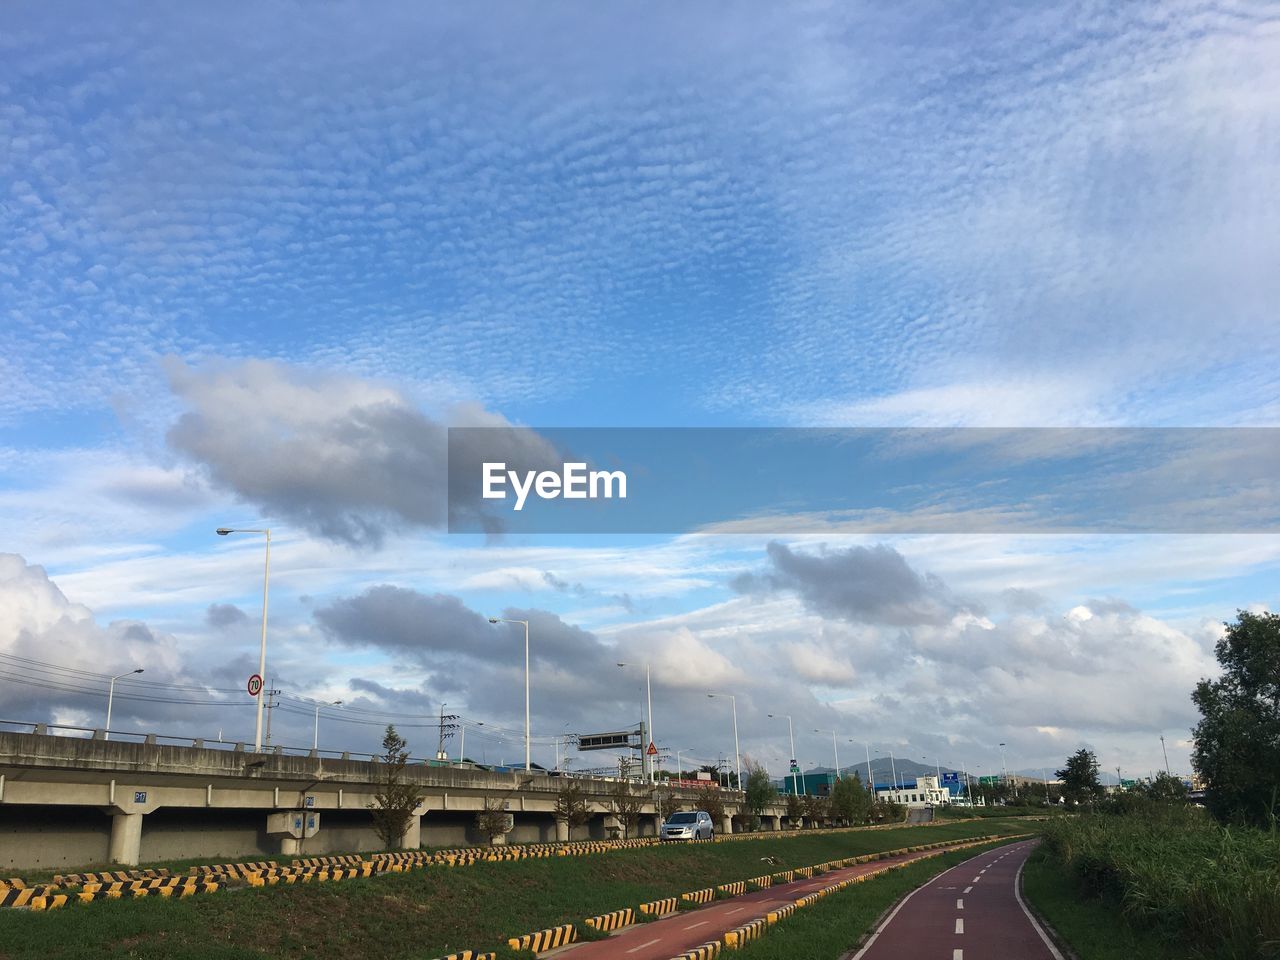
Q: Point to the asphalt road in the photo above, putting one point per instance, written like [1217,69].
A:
[974,911]
[672,936]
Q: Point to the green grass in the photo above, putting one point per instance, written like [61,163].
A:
[426,913]
[829,928]
[1177,875]
[1094,930]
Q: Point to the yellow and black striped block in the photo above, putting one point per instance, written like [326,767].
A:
[761,883]
[23,896]
[699,896]
[704,952]
[784,911]
[545,939]
[658,908]
[615,920]
[468,955]
[748,931]
[735,889]
[786,876]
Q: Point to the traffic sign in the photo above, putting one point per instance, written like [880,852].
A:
[653,750]
[989,781]
[795,767]
[254,686]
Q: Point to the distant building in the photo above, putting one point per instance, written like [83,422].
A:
[924,792]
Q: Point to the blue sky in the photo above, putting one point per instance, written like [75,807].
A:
[335,231]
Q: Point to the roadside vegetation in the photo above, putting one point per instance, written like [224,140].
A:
[429,912]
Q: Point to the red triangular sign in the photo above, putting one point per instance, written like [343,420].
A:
[652,751]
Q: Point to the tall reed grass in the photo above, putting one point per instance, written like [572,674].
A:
[1174,870]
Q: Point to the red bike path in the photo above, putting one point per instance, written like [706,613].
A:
[974,911]
[670,937]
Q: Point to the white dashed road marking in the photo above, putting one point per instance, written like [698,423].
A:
[959,925]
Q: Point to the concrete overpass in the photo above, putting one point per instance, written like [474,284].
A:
[66,801]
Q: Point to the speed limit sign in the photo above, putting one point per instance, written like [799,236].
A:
[254,686]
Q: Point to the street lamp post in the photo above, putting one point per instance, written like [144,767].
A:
[111,693]
[795,784]
[262,650]
[527,764]
[834,749]
[644,747]
[462,740]
[737,754]
[315,735]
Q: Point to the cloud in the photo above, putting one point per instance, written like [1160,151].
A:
[864,584]
[222,615]
[348,459]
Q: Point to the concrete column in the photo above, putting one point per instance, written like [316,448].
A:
[562,831]
[290,846]
[726,824]
[126,838]
[412,838]
[777,823]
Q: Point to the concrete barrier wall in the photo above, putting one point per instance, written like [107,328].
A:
[52,838]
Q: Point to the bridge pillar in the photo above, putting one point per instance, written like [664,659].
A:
[290,846]
[726,824]
[562,831]
[412,838]
[126,838]
[777,823]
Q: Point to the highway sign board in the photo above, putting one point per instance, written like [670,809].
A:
[951,777]
[989,781]
[254,686]
[619,740]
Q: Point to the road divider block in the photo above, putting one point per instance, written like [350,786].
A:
[704,952]
[738,936]
[468,955]
[784,911]
[786,876]
[761,883]
[735,889]
[699,896]
[659,908]
[615,920]
[545,939]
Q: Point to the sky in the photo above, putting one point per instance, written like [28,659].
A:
[255,261]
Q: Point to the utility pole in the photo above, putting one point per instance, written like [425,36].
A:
[270,705]
[1166,756]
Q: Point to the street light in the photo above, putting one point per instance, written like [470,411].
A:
[262,651]
[315,736]
[737,754]
[679,768]
[794,766]
[648,694]
[527,765]
[462,740]
[834,749]
[871,782]
[111,692]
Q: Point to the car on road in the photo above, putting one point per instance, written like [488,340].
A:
[688,825]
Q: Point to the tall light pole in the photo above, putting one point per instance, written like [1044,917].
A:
[527,765]
[894,767]
[1166,756]
[737,754]
[834,749]
[679,768]
[648,696]
[111,693]
[795,766]
[1004,773]
[871,781]
[262,651]
[462,740]
[315,735]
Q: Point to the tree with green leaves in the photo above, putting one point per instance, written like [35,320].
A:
[1237,741]
[571,805]
[795,809]
[395,800]
[816,808]
[850,801]
[493,821]
[1080,783]
[668,804]
[760,791]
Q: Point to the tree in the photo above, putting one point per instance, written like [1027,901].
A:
[493,821]
[850,801]
[709,799]
[887,811]
[394,802]
[625,804]
[1237,741]
[668,803]
[1165,789]
[795,809]
[760,789]
[1079,778]
[571,805]
[816,808]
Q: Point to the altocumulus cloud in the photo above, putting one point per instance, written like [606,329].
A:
[348,459]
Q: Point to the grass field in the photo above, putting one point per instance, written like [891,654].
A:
[426,913]
[1094,930]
